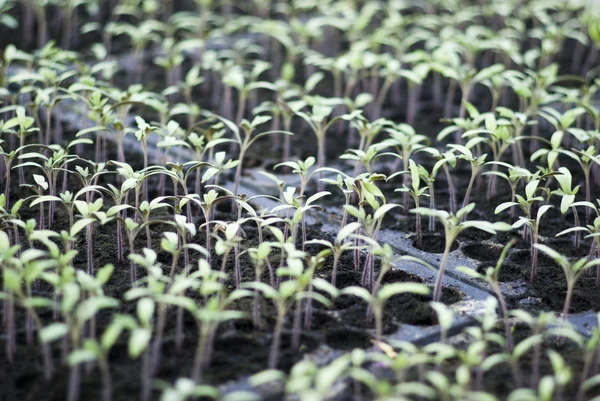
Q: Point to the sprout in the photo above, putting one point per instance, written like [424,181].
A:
[492,278]
[529,221]
[416,192]
[573,271]
[377,301]
[319,121]
[282,299]
[339,246]
[453,226]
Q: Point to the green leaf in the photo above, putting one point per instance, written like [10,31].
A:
[444,314]
[265,377]
[390,290]
[316,196]
[425,211]
[558,258]
[266,289]
[487,226]
[591,382]
[465,210]
[40,180]
[12,280]
[531,188]
[357,292]
[503,206]
[488,72]
[104,273]
[242,396]
[566,202]
[111,335]
[80,225]
[381,212]
[88,308]
[53,332]
[541,211]
[346,231]
[525,345]
[80,356]
[44,198]
[145,310]
[139,340]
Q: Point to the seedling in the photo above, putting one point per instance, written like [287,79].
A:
[340,246]
[531,222]
[282,299]
[454,224]
[319,119]
[573,271]
[567,193]
[593,232]
[259,257]
[416,192]
[377,302]
[24,127]
[491,277]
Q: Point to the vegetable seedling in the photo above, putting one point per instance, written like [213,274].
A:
[454,224]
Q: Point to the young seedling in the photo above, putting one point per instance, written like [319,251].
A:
[513,178]
[225,245]
[538,325]
[51,167]
[259,258]
[10,218]
[476,163]
[19,274]
[369,195]
[210,315]
[142,133]
[454,224]
[593,232]
[174,244]
[491,277]
[568,193]
[346,185]
[386,256]
[40,186]
[301,168]
[218,167]
[585,158]
[99,349]
[445,317]
[407,142]
[248,128]
[342,243]
[444,160]
[319,121]
[155,290]
[207,204]
[24,127]
[309,281]
[499,138]
[529,221]
[90,213]
[416,192]
[77,312]
[283,298]
[573,271]
[8,159]
[377,302]
[367,158]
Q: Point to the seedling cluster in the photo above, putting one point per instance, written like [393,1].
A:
[265,199]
